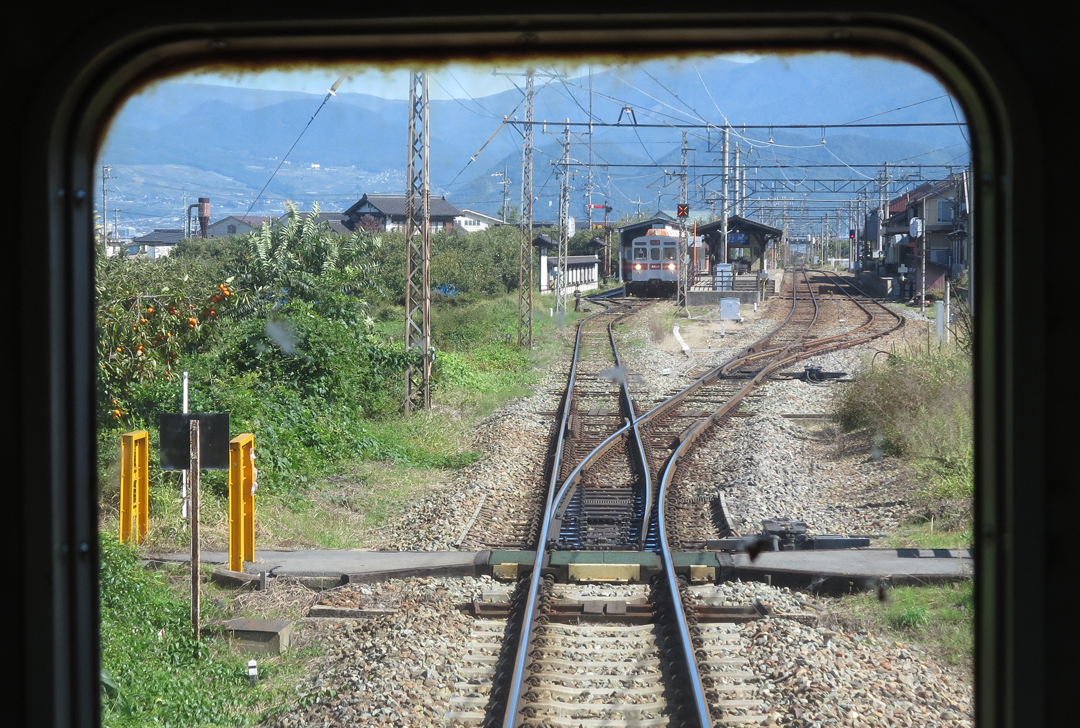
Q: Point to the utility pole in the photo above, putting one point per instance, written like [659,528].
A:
[724,200]
[418,253]
[504,211]
[106,174]
[589,182]
[525,253]
[564,223]
[883,209]
[737,206]
[684,258]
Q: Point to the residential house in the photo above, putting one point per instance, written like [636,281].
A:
[235,225]
[157,244]
[936,212]
[339,222]
[473,222]
[389,212]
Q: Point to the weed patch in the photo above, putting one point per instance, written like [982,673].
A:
[918,405]
[154,672]
[939,618]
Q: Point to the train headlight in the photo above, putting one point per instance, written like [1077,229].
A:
[671,266]
[637,266]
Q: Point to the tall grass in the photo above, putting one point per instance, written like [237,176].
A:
[917,404]
[155,673]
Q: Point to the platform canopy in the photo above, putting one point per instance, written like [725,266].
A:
[742,233]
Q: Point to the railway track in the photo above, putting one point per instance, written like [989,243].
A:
[613,489]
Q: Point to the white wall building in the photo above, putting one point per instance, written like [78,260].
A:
[472,222]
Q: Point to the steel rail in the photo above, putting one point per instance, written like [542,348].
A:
[553,514]
[516,692]
[701,706]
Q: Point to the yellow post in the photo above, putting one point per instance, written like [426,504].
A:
[241,501]
[134,485]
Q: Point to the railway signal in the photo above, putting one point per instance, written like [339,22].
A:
[682,210]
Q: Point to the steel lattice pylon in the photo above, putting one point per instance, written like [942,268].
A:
[561,277]
[525,255]
[418,255]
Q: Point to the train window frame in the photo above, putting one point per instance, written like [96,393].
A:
[641,252]
[119,49]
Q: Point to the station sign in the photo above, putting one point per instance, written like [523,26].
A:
[736,237]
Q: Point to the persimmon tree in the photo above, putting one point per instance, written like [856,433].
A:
[148,313]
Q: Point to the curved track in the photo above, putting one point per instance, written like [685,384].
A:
[602,496]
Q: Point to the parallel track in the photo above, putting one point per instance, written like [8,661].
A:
[602,496]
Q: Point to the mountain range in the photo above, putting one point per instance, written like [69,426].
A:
[182,137]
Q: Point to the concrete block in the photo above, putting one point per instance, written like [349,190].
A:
[616,606]
[320,583]
[234,579]
[268,636]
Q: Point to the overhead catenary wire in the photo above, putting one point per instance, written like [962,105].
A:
[332,91]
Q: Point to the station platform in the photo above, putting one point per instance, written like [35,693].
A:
[817,571]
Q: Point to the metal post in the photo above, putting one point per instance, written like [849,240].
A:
[948,314]
[195,466]
[564,223]
[184,473]
[922,266]
[525,253]
[418,257]
[724,210]
[682,264]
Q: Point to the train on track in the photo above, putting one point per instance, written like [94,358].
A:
[652,267]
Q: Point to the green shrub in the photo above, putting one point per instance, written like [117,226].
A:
[911,617]
[919,405]
[160,674]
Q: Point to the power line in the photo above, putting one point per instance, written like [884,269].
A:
[719,127]
[332,91]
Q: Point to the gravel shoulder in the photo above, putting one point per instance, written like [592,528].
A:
[820,669]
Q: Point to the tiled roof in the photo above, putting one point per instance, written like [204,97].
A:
[395,206]
[481,216]
[337,220]
[900,203]
[159,237]
[740,224]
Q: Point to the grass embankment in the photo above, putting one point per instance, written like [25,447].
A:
[146,642]
[939,618]
[155,673]
[916,405]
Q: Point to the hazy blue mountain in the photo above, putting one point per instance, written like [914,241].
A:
[357,143]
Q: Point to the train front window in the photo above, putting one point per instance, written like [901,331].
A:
[301,188]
